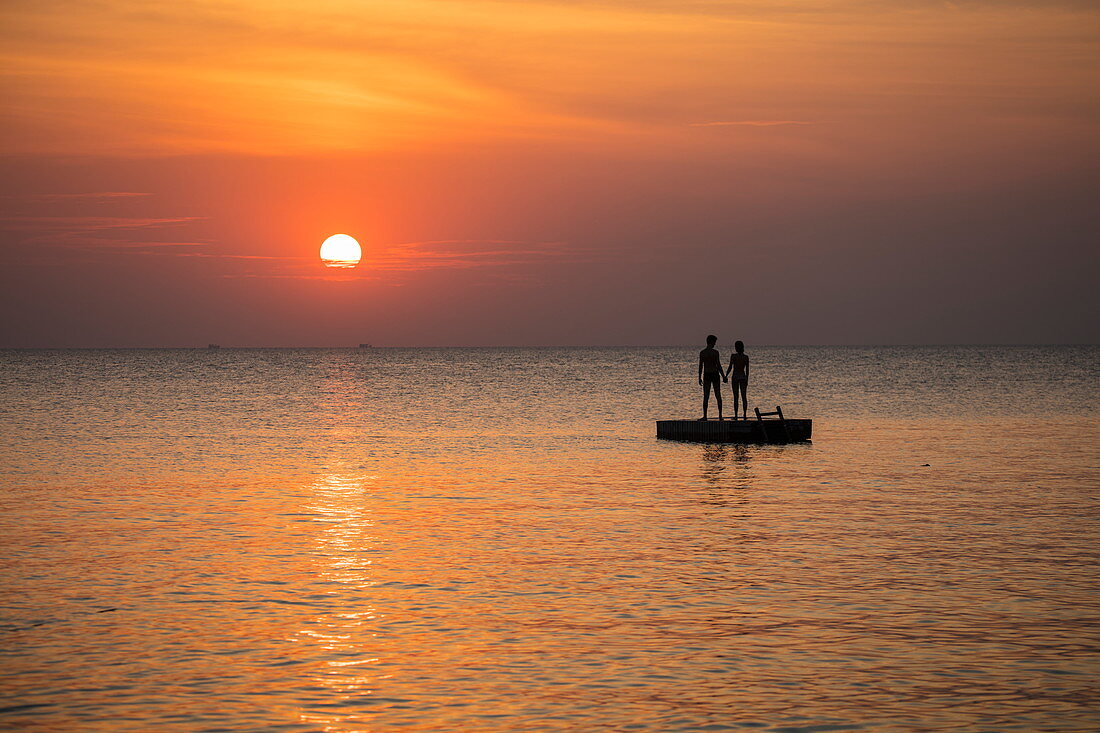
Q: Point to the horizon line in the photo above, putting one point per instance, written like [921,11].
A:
[357,347]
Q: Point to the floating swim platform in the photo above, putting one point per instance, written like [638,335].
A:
[762,429]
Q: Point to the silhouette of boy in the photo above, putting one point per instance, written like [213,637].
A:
[711,375]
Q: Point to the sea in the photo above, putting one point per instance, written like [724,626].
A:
[493,539]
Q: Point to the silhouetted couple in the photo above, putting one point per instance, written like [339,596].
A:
[712,376]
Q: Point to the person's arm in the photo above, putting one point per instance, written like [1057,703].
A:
[746,368]
[700,367]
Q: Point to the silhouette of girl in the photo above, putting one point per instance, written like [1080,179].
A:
[738,372]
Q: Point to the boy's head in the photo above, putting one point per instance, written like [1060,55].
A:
[740,346]
[712,340]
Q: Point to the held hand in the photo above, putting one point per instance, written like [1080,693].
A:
[725,379]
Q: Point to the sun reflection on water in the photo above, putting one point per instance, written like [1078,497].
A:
[342,641]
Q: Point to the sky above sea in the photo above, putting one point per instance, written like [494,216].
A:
[558,172]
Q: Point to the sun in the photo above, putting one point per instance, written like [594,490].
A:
[340,250]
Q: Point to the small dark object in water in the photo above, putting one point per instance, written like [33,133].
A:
[213,346]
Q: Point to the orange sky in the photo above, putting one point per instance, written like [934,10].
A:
[554,172]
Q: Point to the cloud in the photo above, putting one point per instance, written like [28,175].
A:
[501,258]
[466,253]
[87,223]
[751,123]
[137,236]
[95,197]
[94,232]
[148,236]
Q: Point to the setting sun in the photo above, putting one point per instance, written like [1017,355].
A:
[341,250]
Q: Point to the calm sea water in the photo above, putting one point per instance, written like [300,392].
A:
[493,539]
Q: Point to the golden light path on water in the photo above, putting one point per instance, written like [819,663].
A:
[344,550]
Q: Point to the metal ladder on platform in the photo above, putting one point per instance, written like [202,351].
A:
[786,435]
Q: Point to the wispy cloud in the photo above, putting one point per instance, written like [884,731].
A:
[500,258]
[466,253]
[88,223]
[750,123]
[94,197]
[162,237]
[96,232]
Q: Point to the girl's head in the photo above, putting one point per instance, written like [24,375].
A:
[740,346]
[712,340]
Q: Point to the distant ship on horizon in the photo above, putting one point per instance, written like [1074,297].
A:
[213,346]
[366,346]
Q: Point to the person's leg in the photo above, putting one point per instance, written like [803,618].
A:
[744,385]
[733,386]
[706,395]
[718,395]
